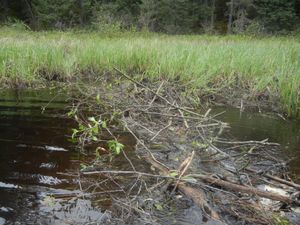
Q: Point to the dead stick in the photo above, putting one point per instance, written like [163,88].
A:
[147,149]
[196,195]
[177,116]
[162,129]
[244,189]
[183,168]
[157,92]
[289,183]
[207,112]
[263,142]
[158,95]
[96,172]
[184,120]
[199,198]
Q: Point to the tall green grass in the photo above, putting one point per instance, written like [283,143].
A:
[207,62]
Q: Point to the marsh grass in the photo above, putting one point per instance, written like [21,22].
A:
[211,63]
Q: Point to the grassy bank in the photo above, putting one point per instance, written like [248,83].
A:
[211,63]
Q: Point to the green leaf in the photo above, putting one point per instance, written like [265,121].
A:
[75,131]
[71,113]
[98,99]
[92,119]
[72,140]
[81,127]
[104,125]
[173,174]
[83,166]
[95,129]
[115,147]
[117,150]
[158,206]
[94,138]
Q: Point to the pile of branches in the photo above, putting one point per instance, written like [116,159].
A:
[179,150]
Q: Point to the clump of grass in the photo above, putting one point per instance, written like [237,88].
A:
[202,61]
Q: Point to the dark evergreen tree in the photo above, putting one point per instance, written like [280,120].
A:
[14,9]
[276,15]
[169,16]
[177,16]
[61,14]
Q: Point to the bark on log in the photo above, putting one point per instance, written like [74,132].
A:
[196,195]
[199,199]
[278,179]
[244,189]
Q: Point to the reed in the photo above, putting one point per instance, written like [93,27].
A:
[212,63]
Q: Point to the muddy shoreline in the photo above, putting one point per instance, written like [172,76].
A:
[237,95]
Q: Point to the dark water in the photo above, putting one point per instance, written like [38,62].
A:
[255,126]
[34,151]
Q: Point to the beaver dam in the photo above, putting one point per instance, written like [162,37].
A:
[124,151]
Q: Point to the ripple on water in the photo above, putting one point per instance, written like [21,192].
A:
[5,185]
[33,150]
[48,165]
[2,221]
[46,147]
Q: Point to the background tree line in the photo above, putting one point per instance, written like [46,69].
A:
[167,16]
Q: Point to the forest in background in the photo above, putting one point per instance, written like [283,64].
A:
[101,35]
[164,16]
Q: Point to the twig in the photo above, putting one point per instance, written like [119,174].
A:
[263,142]
[124,172]
[184,120]
[147,149]
[207,112]
[183,168]
[158,95]
[162,129]
[157,92]
[289,183]
[208,125]
[147,129]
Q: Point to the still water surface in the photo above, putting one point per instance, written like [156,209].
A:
[33,149]
[256,126]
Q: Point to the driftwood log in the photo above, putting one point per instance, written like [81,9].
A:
[196,195]
[278,179]
[244,189]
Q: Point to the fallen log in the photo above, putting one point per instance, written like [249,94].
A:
[199,199]
[196,195]
[249,190]
[278,179]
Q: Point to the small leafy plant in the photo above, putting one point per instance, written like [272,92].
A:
[115,147]
[91,131]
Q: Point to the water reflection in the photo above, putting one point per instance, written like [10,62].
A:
[33,149]
[254,126]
